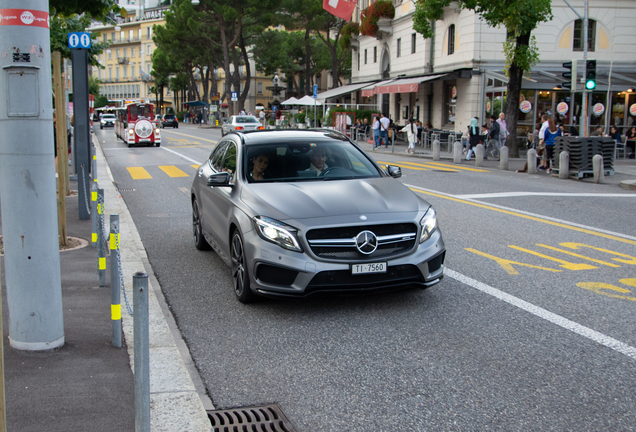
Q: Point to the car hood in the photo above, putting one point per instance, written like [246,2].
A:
[315,199]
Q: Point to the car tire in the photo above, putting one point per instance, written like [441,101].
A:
[158,144]
[176,127]
[101,127]
[199,240]
[222,133]
[240,276]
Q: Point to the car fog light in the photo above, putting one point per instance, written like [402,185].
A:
[428,224]
[277,232]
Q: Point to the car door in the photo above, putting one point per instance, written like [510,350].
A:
[225,197]
[207,194]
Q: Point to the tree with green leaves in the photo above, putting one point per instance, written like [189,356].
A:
[519,17]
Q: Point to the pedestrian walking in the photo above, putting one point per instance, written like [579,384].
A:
[493,137]
[473,137]
[550,135]
[384,129]
[503,130]
[411,132]
[376,132]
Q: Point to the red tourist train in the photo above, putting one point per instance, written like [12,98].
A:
[135,125]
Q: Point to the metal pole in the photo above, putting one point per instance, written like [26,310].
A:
[81,134]
[27,176]
[101,240]
[3,404]
[94,215]
[141,352]
[115,300]
[584,98]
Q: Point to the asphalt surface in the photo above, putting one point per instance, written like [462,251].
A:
[530,344]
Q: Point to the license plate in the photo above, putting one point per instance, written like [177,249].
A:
[368,268]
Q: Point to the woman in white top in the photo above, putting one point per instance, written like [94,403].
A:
[411,132]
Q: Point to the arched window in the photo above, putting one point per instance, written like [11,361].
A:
[451,39]
[577,43]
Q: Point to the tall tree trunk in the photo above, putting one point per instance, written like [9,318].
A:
[308,89]
[248,73]
[515,75]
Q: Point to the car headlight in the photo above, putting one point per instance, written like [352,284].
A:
[277,232]
[428,224]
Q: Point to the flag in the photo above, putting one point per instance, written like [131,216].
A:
[340,8]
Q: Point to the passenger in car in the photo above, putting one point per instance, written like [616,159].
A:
[318,158]
[260,161]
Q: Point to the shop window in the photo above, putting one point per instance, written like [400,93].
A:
[577,44]
[451,39]
[413,42]
[450,104]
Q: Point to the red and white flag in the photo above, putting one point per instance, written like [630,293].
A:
[340,8]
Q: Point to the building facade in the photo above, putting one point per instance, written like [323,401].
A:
[459,73]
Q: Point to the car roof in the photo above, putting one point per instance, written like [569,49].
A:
[273,136]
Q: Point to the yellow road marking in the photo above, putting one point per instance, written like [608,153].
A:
[195,166]
[138,173]
[403,166]
[173,171]
[524,216]
[438,164]
[577,255]
[598,288]
[507,264]
[576,246]
[564,264]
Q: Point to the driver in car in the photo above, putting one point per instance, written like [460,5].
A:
[318,158]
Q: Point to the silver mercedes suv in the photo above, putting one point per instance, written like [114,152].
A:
[302,212]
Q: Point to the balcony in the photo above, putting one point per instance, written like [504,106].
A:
[385,28]
[123,60]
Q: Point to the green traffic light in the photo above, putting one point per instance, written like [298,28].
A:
[590,85]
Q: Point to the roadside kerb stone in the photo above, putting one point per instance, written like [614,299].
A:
[175,405]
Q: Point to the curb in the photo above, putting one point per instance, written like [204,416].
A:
[629,184]
[175,403]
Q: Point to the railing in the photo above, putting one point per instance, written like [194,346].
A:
[123,60]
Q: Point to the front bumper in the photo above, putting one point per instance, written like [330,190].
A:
[276,272]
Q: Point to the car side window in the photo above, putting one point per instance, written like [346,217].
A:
[217,156]
[229,162]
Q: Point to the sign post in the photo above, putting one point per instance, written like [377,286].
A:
[79,43]
[315,97]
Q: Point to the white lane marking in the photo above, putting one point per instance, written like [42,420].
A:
[565,323]
[190,136]
[535,215]
[546,194]
[183,156]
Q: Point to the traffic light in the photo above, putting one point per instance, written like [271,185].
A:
[590,74]
[572,75]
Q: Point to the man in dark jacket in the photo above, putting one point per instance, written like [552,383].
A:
[493,138]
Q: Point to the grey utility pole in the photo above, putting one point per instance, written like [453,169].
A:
[584,19]
[27,178]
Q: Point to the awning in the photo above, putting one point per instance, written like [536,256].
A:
[405,85]
[370,89]
[349,88]
[291,101]
[308,100]
[194,104]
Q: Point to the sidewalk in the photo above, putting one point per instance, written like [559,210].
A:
[88,385]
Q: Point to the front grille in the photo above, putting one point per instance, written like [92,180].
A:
[343,280]
[252,419]
[339,243]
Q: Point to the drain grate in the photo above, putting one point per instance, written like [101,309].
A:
[266,418]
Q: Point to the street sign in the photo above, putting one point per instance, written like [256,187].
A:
[315,91]
[234,96]
[79,40]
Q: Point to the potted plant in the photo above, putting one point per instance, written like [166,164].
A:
[371,15]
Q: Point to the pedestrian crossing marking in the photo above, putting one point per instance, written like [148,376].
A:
[138,173]
[403,166]
[438,164]
[173,171]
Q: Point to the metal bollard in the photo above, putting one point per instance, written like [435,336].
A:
[141,352]
[94,166]
[457,152]
[115,286]
[564,165]
[479,155]
[532,161]
[101,240]
[93,213]
[436,150]
[503,158]
[598,169]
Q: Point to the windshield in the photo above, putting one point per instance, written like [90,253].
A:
[168,117]
[246,119]
[108,117]
[306,161]
[140,111]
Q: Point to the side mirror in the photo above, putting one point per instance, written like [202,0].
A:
[220,179]
[394,171]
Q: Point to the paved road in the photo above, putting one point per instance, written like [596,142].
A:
[532,328]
